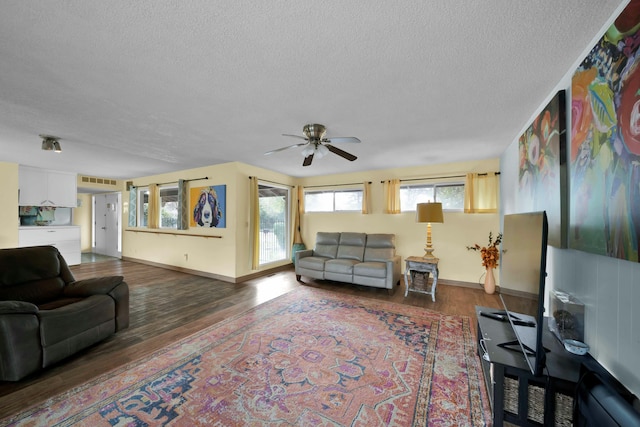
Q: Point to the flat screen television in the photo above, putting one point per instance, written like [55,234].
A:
[523,275]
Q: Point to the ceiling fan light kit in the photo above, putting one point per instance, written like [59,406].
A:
[319,151]
[317,145]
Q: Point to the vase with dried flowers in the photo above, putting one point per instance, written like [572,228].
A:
[490,255]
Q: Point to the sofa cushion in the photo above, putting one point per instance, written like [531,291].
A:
[380,247]
[370,269]
[72,319]
[20,265]
[36,292]
[312,262]
[340,265]
[57,303]
[30,274]
[352,246]
[327,244]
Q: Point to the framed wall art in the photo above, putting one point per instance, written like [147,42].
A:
[208,206]
[605,143]
[542,177]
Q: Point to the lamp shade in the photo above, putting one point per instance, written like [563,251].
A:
[429,212]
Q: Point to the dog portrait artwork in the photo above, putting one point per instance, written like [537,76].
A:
[208,206]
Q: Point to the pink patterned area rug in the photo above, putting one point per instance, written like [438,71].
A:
[310,358]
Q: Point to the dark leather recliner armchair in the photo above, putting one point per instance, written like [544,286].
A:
[46,315]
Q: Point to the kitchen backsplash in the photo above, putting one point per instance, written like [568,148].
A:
[44,215]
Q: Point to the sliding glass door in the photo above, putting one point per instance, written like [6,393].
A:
[274,223]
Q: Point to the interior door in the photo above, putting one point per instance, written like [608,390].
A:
[107,226]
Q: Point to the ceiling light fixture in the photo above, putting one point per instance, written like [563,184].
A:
[317,149]
[50,143]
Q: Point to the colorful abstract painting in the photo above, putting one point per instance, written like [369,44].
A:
[542,174]
[208,206]
[605,143]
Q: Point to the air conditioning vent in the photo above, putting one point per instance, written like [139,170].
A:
[95,180]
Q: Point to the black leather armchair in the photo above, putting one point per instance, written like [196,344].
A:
[46,315]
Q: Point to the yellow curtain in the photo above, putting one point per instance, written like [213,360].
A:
[154,206]
[392,196]
[366,197]
[481,193]
[300,199]
[298,243]
[254,215]
[297,238]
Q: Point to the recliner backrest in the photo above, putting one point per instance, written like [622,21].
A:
[352,246]
[32,274]
[380,247]
[327,244]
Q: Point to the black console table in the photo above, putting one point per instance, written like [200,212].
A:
[516,395]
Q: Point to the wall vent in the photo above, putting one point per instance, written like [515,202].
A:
[95,180]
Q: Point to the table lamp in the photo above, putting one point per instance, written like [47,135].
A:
[429,212]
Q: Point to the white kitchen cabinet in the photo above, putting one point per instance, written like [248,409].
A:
[43,187]
[65,238]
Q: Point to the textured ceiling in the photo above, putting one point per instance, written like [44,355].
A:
[136,88]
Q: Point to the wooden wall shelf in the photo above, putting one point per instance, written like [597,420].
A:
[173,233]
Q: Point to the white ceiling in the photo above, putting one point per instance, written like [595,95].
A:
[136,88]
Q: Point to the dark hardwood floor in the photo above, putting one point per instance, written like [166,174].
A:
[167,305]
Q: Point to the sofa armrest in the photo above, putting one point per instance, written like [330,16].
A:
[93,286]
[394,272]
[20,348]
[18,307]
[121,296]
[113,286]
[303,254]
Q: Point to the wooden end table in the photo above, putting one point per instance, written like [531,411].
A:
[425,266]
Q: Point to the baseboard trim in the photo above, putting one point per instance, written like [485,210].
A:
[458,283]
[240,279]
[268,271]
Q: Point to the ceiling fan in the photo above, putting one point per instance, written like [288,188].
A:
[317,145]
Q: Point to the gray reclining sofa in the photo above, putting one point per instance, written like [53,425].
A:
[358,258]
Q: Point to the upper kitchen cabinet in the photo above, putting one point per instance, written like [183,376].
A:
[42,187]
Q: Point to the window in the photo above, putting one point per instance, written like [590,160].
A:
[274,223]
[169,207]
[333,201]
[451,195]
[143,207]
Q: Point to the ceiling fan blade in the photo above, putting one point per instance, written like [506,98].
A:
[285,148]
[341,153]
[341,139]
[307,160]
[295,136]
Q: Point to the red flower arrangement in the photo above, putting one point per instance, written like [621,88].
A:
[489,254]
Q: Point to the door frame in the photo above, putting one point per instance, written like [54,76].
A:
[117,230]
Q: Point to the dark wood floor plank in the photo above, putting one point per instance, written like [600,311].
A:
[166,306]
